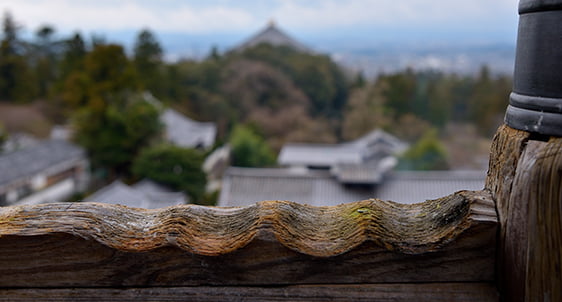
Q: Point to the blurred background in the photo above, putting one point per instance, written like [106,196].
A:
[156,101]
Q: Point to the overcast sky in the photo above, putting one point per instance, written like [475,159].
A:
[487,20]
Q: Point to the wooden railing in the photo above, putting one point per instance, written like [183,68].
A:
[501,243]
[442,248]
[439,250]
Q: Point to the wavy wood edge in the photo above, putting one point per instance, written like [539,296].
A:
[211,231]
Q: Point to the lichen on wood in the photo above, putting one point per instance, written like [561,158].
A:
[211,231]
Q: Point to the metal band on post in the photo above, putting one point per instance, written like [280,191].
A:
[535,104]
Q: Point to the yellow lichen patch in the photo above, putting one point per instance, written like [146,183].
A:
[360,212]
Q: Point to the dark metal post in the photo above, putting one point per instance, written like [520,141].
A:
[535,104]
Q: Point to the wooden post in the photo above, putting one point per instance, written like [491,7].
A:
[525,178]
[525,173]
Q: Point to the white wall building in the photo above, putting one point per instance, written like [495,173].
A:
[49,171]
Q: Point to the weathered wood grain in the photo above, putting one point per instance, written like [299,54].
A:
[507,146]
[526,179]
[446,292]
[515,230]
[451,239]
[537,191]
[316,231]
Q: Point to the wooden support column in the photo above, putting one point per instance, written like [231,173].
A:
[525,178]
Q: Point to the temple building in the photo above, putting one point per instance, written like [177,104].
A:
[272,35]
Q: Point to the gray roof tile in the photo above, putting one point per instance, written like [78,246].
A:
[375,145]
[185,132]
[145,194]
[37,158]
[244,186]
[417,186]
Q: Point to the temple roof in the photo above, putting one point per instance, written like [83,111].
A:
[373,146]
[36,159]
[144,194]
[245,186]
[274,36]
[185,132]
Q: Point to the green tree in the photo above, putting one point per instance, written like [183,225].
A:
[73,84]
[249,149]
[114,136]
[426,154]
[214,54]
[75,93]
[439,95]
[45,59]
[109,70]
[10,40]
[73,54]
[488,100]
[15,78]
[179,168]
[400,91]
[107,73]
[365,111]
[148,60]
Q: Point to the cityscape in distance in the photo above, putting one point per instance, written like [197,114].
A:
[371,57]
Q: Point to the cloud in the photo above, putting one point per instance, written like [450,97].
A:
[231,16]
[392,12]
[175,16]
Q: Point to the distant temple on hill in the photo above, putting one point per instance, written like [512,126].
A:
[274,36]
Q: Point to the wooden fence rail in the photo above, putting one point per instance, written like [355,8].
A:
[439,250]
[442,248]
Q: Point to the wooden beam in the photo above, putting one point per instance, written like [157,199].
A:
[451,239]
[446,292]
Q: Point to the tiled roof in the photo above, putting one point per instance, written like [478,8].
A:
[145,194]
[371,172]
[159,193]
[274,36]
[325,155]
[244,186]
[375,145]
[417,186]
[362,161]
[37,158]
[185,132]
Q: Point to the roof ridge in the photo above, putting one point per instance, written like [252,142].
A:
[272,34]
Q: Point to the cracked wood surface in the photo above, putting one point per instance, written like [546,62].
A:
[451,239]
[525,178]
